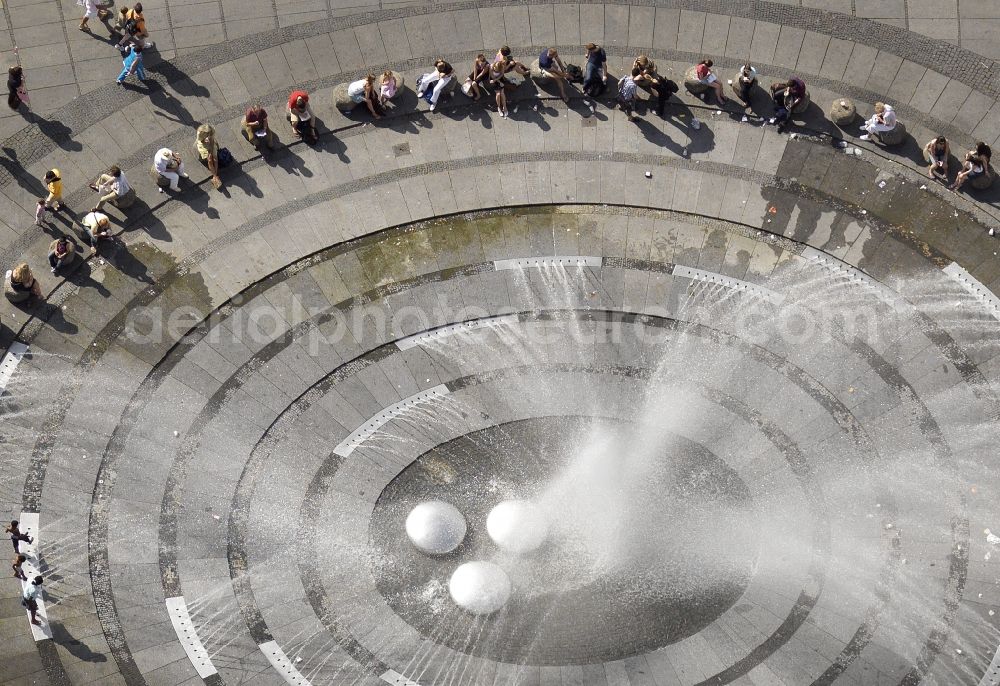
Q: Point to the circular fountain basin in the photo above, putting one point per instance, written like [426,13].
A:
[436,527]
[517,526]
[479,587]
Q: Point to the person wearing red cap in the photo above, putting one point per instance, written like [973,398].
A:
[300,116]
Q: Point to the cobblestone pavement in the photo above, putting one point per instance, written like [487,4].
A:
[218,413]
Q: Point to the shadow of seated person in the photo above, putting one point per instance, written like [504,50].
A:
[82,277]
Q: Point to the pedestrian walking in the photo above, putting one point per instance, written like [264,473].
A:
[132,64]
[134,29]
[16,93]
[29,598]
[92,8]
[18,567]
[41,212]
[15,532]
[53,183]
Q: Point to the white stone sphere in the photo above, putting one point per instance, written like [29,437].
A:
[517,526]
[436,527]
[479,587]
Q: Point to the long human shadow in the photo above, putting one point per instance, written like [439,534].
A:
[80,274]
[76,648]
[145,220]
[328,142]
[234,176]
[678,114]
[13,167]
[57,132]
[287,160]
[172,107]
[657,137]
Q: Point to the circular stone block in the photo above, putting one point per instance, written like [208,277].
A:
[436,527]
[400,82]
[983,182]
[517,526]
[843,112]
[892,137]
[341,100]
[479,587]
[693,83]
[537,72]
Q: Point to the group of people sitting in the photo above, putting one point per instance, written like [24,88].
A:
[485,75]
[975,164]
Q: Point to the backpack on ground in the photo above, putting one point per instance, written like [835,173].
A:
[575,73]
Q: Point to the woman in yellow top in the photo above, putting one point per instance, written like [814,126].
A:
[208,151]
[53,182]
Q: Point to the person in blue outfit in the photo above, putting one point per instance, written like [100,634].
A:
[595,75]
[132,64]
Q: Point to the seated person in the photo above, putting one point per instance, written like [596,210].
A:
[936,154]
[255,126]
[787,95]
[431,85]
[61,253]
[96,227]
[114,188]
[703,70]
[208,151]
[744,83]
[387,87]
[168,164]
[364,91]
[477,78]
[883,120]
[554,68]
[649,77]
[301,118]
[510,64]
[21,284]
[977,163]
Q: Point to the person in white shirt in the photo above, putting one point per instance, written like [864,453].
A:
[112,186]
[168,165]
[29,598]
[436,81]
[97,226]
[883,120]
